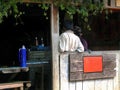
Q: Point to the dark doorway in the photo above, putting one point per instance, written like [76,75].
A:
[22,31]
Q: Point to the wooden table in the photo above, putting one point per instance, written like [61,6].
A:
[16,84]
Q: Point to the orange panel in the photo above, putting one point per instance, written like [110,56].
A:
[92,63]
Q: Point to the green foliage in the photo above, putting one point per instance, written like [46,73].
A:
[8,7]
[84,8]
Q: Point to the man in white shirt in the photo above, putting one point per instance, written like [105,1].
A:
[68,41]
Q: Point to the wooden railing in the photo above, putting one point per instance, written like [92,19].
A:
[115,4]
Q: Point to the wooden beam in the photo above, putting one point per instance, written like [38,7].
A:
[54,42]
[112,3]
[11,85]
[114,9]
[105,3]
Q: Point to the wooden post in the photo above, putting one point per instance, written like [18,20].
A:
[112,3]
[54,42]
[105,3]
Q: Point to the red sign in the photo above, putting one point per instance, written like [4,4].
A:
[93,64]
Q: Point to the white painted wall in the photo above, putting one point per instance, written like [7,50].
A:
[100,84]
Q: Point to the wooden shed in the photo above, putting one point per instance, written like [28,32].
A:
[62,73]
[61,62]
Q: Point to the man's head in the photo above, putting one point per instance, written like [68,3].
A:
[68,25]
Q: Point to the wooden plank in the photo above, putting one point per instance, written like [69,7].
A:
[72,86]
[76,76]
[116,78]
[16,84]
[109,65]
[105,74]
[97,85]
[101,84]
[54,42]
[13,70]
[77,72]
[110,84]
[77,66]
[112,2]
[118,3]
[64,70]
[109,57]
[104,84]
[75,57]
[88,85]
[11,85]
[105,3]
[79,85]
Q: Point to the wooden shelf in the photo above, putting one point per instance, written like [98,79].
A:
[13,70]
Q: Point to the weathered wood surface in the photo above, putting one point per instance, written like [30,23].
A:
[77,66]
[98,84]
[112,4]
[54,42]
[118,3]
[13,70]
[11,85]
[17,84]
[39,55]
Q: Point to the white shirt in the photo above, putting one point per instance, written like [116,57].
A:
[70,42]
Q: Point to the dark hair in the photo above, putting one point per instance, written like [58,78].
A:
[77,30]
[68,25]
